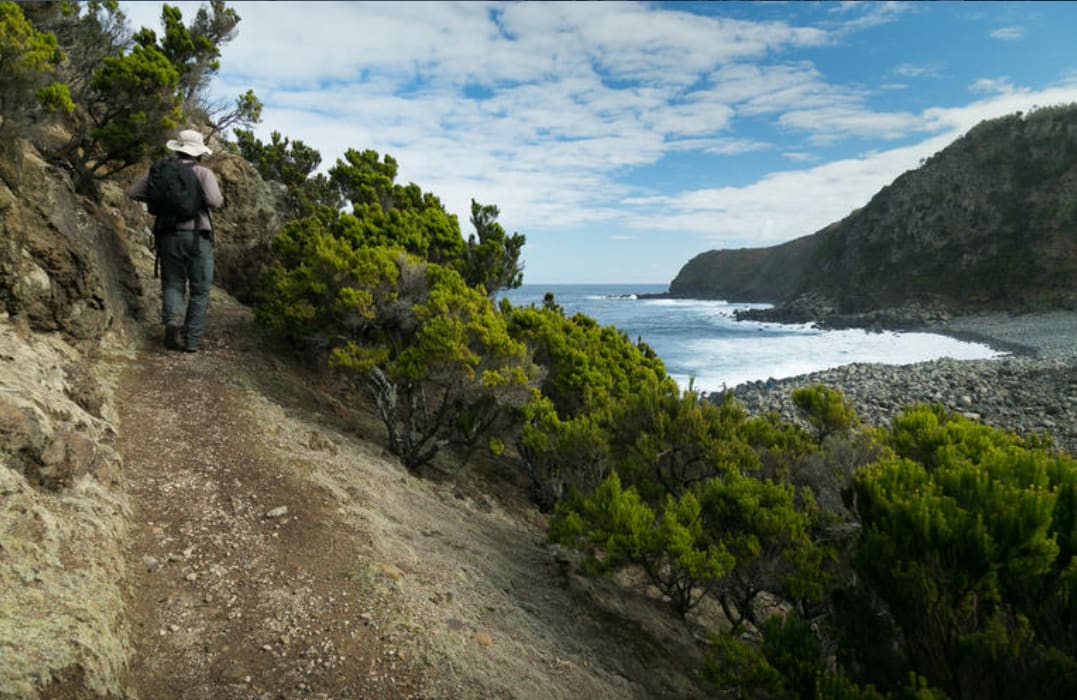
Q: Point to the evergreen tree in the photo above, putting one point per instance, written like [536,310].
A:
[492,257]
[293,164]
[433,354]
[389,214]
[28,65]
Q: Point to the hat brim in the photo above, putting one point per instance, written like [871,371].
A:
[191,149]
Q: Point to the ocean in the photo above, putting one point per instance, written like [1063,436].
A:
[700,341]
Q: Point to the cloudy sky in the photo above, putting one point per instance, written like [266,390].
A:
[625,138]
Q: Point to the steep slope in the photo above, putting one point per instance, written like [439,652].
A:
[990,222]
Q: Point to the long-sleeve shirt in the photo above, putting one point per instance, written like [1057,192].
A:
[211,195]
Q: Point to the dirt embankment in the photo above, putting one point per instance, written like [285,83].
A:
[278,552]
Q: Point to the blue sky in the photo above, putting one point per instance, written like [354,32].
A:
[625,138]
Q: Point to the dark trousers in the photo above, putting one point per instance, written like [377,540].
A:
[186,261]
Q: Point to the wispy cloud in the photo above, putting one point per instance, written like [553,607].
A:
[989,85]
[915,70]
[720,146]
[1011,33]
[858,16]
[828,124]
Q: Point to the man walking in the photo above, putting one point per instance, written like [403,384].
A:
[184,241]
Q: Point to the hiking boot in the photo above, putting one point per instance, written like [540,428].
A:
[173,339]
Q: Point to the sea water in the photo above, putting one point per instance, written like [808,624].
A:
[699,340]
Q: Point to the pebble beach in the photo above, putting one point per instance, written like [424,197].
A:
[1031,389]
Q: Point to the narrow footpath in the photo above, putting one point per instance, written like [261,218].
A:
[238,582]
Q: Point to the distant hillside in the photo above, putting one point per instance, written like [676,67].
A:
[747,274]
[990,222]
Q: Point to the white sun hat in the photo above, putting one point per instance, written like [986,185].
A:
[190,142]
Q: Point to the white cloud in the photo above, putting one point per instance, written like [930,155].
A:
[719,146]
[870,14]
[827,124]
[1011,33]
[985,85]
[914,70]
[780,206]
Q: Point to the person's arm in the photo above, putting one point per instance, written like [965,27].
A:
[138,191]
[211,193]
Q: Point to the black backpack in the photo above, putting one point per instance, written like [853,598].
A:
[173,192]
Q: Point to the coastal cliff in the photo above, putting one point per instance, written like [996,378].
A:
[988,223]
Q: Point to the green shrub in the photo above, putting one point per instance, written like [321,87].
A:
[826,410]
[968,536]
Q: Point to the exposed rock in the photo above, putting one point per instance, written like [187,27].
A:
[253,212]
[64,263]
[70,294]
[62,527]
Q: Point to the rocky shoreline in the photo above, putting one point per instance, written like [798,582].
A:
[1032,389]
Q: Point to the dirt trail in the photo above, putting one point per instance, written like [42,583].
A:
[229,596]
[279,552]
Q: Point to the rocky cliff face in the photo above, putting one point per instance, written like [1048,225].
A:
[990,222]
[64,263]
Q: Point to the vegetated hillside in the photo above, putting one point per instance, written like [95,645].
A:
[989,222]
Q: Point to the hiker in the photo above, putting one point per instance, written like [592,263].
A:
[184,239]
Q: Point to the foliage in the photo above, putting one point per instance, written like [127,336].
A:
[195,50]
[28,62]
[740,669]
[124,88]
[968,537]
[671,546]
[133,106]
[587,371]
[492,257]
[433,353]
[731,537]
[293,164]
[788,663]
[246,111]
[768,527]
[825,409]
[664,439]
[130,91]
[87,33]
[388,214]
